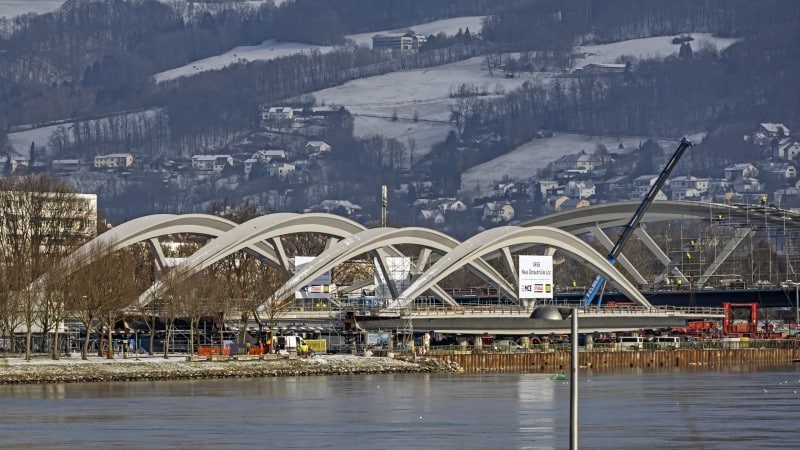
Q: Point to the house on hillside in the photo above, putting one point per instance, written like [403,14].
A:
[602,68]
[277,113]
[779,171]
[642,185]
[580,189]
[766,132]
[397,41]
[113,161]
[688,187]
[340,207]
[313,147]
[69,165]
[741,170]
[13,163]
[430,217]
[280,169]
[211,163]
[497,212]
[788,148]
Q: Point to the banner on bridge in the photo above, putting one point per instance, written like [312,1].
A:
[535,276]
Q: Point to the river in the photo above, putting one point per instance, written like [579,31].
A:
[734,409]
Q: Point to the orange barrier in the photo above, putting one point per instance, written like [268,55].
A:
[208,351]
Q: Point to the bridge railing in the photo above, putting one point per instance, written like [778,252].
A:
[515,310]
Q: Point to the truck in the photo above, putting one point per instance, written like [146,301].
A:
[293,344]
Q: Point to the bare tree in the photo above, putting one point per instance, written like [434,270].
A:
[43,221]
[102,289]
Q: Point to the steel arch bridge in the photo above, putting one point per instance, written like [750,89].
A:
[262,236]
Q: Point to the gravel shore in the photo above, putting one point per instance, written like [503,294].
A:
[74,369]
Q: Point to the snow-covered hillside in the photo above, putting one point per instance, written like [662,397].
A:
[658,47]
[13,8]
[375,100]
[271,49]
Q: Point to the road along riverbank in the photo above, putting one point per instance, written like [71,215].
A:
[74,369]
[547,362]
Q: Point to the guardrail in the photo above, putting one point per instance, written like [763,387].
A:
[618,347]
[513,310]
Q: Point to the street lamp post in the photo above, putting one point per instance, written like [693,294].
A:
[573,384]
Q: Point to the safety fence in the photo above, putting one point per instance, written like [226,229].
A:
[549,362]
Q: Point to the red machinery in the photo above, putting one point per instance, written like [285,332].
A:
[750,329]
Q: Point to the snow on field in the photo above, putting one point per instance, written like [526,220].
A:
[21,141]
[648,48]
[374,100]
[524,161]
[13,8]
[271,49]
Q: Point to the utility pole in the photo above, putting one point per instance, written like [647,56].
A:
[384,204]
[573,383]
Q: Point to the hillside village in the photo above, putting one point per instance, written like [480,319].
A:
[584,178]
[282,124]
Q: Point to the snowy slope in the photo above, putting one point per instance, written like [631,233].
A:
[658,47]
[12,8]
[425,92]
[271,49]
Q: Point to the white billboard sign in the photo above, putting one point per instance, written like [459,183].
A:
[320,287]
[535,276]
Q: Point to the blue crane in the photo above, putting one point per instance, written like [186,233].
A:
[599,280]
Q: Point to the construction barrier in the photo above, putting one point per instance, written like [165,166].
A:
[208,351]
[547,362]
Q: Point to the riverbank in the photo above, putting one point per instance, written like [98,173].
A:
[140,368]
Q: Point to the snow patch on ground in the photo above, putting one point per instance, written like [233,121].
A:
[13,8]
[658,47]
[272,49]
[523,162]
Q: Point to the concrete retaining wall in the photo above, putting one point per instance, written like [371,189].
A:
[547,362]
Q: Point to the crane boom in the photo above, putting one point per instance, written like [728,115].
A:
[598,281]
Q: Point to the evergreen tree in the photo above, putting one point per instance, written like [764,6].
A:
[32,155]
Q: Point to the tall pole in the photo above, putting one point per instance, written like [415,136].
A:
[573,384]
[384,203]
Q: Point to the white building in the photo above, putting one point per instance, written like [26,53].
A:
[496,212]
[278,113]
[113,161]
[317,147]
[66,218]
[580,189]
[280,169]
[211,163]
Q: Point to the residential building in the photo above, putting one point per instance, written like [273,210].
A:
[13,163]
[497,212]
[580,189]
[113,161]
[580,162]
[62,219]
[642,185]
[749,185]
[342,207]
[788,148]
[277,113]
[269,155]
[766,132]
[211,163]
[741,170]
[69,165]
[280,169]
[404,41]
[688,187]
[317,147]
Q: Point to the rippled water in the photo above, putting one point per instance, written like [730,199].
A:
[737,409]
